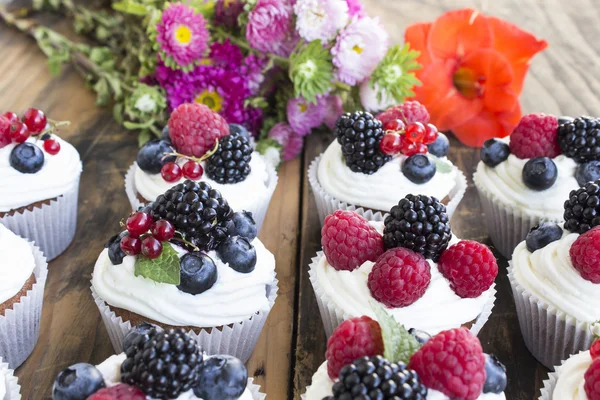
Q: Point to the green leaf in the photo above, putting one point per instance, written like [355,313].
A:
[311,70]
[143,137]
[55,65]
[164,269]
[399,345]
[441,166]
[129,7]
[135,125]
[394,76]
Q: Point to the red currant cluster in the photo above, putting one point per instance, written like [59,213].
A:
[408,139]
[146,236]
[172,172]
[32,123]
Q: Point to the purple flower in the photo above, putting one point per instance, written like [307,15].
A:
[252,68]
[333,109]
[182,34]
[227,13]
[320,19]
[355,7]
[291,142]
[304,116]
[225,53]
[270,27]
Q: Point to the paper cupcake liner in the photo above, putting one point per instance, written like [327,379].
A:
[13,390]
[255,390]
[549,385]
[238,339]
[332,315]
[327,204]
[20,326]
[51,227]
[258,213]
[550,334]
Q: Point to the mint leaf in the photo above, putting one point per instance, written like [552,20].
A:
[441,166]
[398,343]
[164,269]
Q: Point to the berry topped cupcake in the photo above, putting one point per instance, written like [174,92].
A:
[523,180]
[199,145]
[39,181]
[374,360]
[411,264]
[375,161]
[158,364]
[188,260]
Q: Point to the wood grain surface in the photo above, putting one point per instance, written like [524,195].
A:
[564,80]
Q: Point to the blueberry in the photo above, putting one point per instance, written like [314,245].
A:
[164,135]
[236,129]
[151,156]
[244,225]
[495,371]
[440,147]
[239,253]
[418,168]
[139,330]
[27,158]
[198,273]
[421,336]
[115,253]
[542,235]
[494,152]
[221,377]
[77,382]
[564,120]
[588,172]
[539,173]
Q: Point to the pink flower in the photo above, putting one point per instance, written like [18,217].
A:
[333,109]
[270,27]
[355,7]
[320,19]
[291,142]
[359,48]
[182,34]
[304,115]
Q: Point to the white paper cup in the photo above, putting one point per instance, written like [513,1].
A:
[255,390]
[13,390]
[20,326]
[332,315]
[258,213]
[327,204]
[549,385]
[238,339]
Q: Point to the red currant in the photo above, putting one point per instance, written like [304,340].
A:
[595,349]
[163,230]
[11,116]
[192,170]
[19,132]
[415,132]
[422,148]
[408,148]
[396,125]
[35,120]
[131,245]
[151,247]
[51,146]
[138,224]
[431,134]
[391,144]
[171,172]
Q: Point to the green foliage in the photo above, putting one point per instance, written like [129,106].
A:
[311,70]
[164,269]
[399,345]
[394,76]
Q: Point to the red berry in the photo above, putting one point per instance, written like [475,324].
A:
[138,224]
[348,240]
[35,120]
[431,134]
[536,135]
[409,112]
[353,338]
[395,125]
[131,245]
[11,116]
[51,146]
[194,129]
[585,255]
[391,144]
[151,247]
[163,230]
[171,172]
[422,148]
[595,349]
[415,132]
[409,149]
[19,132]
[592,380]
[119,392]
[5,138]
[192,170]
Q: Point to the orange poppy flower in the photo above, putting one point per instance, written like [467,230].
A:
[473,72]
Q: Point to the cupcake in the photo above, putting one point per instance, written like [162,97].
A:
[158,364]
[198,145]
[376,161]
[370,360]
[9,386]
[187,260]
[40,181]
[430,281]
[22,280]
[523,180]
[555,279]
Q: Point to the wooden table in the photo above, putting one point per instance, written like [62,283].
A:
[563,80]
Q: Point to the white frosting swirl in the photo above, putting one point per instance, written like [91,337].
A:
[17,263]
[570,382]
[248,194]
[381,190]
[234,297]
[321,387]
[58,175]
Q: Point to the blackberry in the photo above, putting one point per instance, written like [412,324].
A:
[359,134]
[163,364]
[582,210]
[377,378]
[231,162]
[580,139]
[198,212]
[418,223]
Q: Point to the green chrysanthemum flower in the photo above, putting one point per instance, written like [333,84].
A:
[311,71]
[394,76]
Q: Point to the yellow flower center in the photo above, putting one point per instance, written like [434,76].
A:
[357,49]
[228,3]
[303,107]
[206,61]
[210,99]
[183,34]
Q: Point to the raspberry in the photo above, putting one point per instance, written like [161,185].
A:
[585,255]
[536,135]
[194,128]
[4,131]
[470,267]
[409,112]
[452,362]
[399,277]
[595,349]
[119,392]
[348,240]
[592,380]
[353,338]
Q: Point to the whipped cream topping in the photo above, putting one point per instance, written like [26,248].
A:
[17,263]
[58,175]
[570,382]
[381,190]
[321,387]
[111,371]
[504,183]
[438,309]
[246,195]
[234,297]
